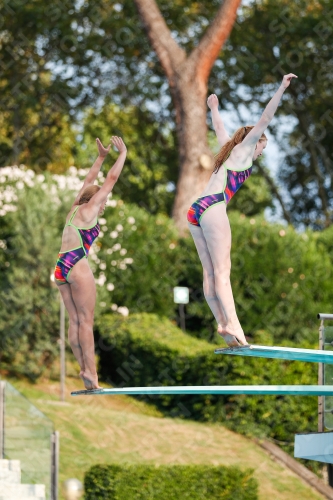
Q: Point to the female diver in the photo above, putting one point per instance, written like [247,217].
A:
[207,217]
[72,273]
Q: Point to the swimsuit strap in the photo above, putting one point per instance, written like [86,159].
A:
[69,223]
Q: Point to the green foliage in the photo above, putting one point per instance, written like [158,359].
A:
[135,254]
[29,305]
[280,278]
[143,482]
[35,102]
[146,350]
[56,62]
[152,160]
[136,258]
[270,39]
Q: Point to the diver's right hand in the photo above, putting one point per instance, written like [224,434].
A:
[287,79]
[119,144]
[212,101]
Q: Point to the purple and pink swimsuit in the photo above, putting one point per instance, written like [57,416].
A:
[67,260]
[234,180]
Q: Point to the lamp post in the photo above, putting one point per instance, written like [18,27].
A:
[181,297]
[61,344]
[62,350]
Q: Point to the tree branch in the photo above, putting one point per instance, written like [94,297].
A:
[303,125]
[206,53]
[168,51]
[275,192]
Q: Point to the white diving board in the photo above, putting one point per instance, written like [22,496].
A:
[291,353]
[293,390]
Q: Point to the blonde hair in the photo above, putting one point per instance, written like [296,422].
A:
[88,193]
[237,138]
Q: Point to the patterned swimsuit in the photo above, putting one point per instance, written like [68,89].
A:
[234,180]
[67,260]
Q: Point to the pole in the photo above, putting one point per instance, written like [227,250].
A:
[321,400]
[2,419]
[62,351]
[321,381]
[54,464]
[182,317]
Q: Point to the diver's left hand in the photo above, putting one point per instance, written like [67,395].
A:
[102,151]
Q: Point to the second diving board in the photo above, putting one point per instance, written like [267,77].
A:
[291,353]
[286,390]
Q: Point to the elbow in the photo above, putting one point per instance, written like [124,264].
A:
[113,178]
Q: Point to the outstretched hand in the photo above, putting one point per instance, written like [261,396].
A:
[212,101]
[287,79]
[118,143]
[102,151]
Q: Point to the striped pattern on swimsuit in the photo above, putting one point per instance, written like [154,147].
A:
[67,260]
[234,180]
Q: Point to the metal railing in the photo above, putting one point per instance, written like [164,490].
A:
[325,377]
[26,434]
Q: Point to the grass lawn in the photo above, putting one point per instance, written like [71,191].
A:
[105,429]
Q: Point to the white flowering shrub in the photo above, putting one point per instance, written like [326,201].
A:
[132,261]
[135,260]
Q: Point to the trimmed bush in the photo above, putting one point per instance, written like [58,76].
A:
[145,350]
[145,482]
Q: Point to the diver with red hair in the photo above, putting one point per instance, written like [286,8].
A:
[72,274]
[207,217]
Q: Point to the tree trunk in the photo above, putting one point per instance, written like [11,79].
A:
[188,76]
[195,158]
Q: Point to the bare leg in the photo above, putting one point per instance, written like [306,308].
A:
[83,290]
[217,233]
[73,330]
[209,284]
[208,274]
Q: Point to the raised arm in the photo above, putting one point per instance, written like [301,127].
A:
[220,131]
[111,177]
[93,172]
[254,135]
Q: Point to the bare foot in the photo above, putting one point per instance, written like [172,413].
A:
[90,381]
[232,339]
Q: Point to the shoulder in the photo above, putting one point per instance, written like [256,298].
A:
[238,159]
[88,212]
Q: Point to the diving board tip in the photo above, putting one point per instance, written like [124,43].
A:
[289,353]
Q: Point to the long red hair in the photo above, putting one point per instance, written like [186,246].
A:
[88,193]
[237,138]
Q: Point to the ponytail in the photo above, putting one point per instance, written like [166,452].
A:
[88,193]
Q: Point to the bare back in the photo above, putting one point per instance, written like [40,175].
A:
[83,219]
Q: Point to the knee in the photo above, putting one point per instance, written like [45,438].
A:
[74,321]
[222,275]
[86,320]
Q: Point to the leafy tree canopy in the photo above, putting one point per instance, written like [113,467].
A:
[273,38]
[150,171]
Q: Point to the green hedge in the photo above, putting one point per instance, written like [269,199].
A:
[146,350]
[143,482]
